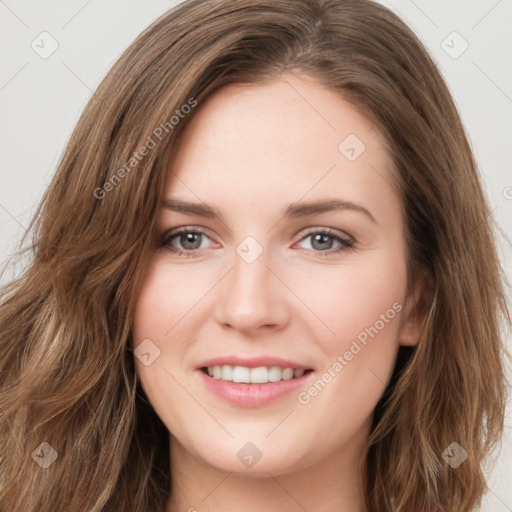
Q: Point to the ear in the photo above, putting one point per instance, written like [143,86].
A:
[415,310]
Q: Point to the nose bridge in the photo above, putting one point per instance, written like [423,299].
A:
[251,297]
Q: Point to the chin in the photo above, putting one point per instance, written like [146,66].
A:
[256,458]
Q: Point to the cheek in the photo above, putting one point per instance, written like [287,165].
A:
[163,301]
[360,308]
[158,307]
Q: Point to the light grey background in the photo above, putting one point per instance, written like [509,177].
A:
[41,99]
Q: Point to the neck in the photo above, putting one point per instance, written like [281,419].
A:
[334,483]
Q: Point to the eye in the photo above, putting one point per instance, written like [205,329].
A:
[322,241]
[188,241]
[184,241]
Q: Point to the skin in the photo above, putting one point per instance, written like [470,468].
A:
[250,151]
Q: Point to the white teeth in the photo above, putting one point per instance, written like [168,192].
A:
[241,374]
[227,372]
[274,374]
[259,375]
[287,374]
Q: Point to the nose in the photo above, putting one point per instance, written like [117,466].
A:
[252,298]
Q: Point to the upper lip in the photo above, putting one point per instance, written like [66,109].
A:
[252,362]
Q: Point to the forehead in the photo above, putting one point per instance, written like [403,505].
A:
[278,142]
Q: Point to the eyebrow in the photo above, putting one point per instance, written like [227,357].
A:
[294,210]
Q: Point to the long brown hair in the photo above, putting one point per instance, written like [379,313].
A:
[66,368]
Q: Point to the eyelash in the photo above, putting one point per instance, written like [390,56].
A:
[345,244]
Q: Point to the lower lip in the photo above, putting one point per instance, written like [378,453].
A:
[252,395]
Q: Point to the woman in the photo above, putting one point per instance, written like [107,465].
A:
[264,275]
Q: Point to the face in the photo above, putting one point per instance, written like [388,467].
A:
[273,309]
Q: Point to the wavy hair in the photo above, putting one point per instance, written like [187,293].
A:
[67,373]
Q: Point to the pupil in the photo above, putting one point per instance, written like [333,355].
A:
[321,239]
[190,238]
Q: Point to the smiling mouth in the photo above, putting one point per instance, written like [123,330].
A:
[259,375]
